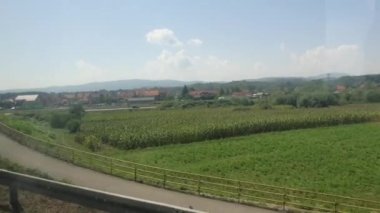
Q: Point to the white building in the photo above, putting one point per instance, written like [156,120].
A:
[26,98]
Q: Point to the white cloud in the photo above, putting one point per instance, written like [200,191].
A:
[344,58]
[195,42]
[183,66]
[163,36]
[176,60]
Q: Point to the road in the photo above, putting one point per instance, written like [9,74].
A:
[120,108]
[61,170]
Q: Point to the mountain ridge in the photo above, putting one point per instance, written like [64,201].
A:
[143,83]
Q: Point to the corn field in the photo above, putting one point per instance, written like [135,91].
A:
[139,129]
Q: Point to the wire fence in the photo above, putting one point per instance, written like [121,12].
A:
[251,193]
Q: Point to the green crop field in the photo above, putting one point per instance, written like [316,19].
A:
[342,160]
[139,129]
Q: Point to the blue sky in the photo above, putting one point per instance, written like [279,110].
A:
[45,43]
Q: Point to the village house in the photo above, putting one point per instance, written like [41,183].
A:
[203,94]
[246,94]
[143,97]
[243,94]
[148,93]
[27,100]
[125,94]
[340,89]
[259,95]
[83,97]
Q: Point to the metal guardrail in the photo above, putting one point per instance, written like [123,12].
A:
[251,193]
[80,195]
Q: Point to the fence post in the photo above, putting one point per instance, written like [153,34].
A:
[111,167]
[199,185]
[164,183]
[135,172]
[46,150]
[284,201]
[239,191]
[73,156]
[89,161]
[13,199]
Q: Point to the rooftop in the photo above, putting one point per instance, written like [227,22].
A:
[27,98]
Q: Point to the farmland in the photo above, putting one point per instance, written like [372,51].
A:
[326,157]
[341,160]
[137,129]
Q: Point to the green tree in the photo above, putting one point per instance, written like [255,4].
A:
[73,125]
[221,92]
[373,96]
[185,92]
[77,111]
[59,120]
[236,89]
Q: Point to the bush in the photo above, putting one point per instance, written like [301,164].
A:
[92,142]
[317,100]
[73,125]
[373,96]
[286,100]
[52,136]
[79,138]
[77,111]
[265,106]
[59,120]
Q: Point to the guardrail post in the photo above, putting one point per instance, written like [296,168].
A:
[239,191]
[13,199]
[283,201]
[335,207]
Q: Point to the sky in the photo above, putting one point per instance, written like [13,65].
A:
[65,42]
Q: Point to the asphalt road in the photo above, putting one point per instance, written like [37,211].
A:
[88,178]
[116,109]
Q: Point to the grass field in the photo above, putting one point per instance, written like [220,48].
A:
[343,160]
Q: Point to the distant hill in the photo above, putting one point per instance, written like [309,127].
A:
[332,75]
[108,85]
[250,84]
